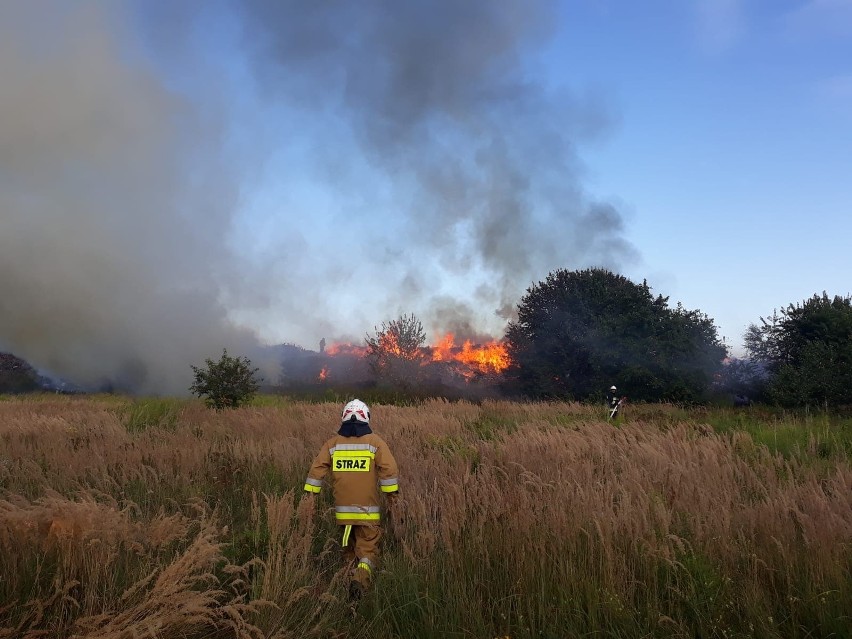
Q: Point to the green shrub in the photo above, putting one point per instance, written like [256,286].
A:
[228,383]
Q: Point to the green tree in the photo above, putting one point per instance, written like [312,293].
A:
[229,383]
[395,351]
[578,332]
[807,349]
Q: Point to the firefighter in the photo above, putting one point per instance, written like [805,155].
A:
[613,402]
[361,466]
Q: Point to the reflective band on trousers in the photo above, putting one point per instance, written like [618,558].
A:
[365,564]
[347,530]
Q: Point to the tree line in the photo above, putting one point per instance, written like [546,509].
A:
[579,332]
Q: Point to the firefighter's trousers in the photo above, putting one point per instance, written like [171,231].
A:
[360,546]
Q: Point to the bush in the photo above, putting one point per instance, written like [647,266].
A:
[228,383]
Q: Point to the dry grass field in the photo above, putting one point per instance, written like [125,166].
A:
[123,518]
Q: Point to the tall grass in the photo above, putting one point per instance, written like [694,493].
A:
[158,518]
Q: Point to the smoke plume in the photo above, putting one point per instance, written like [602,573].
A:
[111,233]
[441,100]
[416,160]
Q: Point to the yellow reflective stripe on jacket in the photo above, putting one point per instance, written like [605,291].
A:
[390,485]
[346,447]
[358,513]
[313,485]
[357,509]
[359,516]
[353,453]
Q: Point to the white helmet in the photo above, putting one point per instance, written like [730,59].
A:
[612,388]
[356,410]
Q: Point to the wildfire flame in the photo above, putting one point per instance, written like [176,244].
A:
[469,360]
[345,348]
[388,343]
[323,375]
[488,358]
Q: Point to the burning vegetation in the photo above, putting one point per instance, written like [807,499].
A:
[471,359]
[398,356]
[468,361]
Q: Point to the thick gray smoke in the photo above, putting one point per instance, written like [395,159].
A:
[441,99]
[445,168]
[111,231]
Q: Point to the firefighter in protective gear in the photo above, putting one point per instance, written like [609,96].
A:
[613,402]
[612,397]
[361,466]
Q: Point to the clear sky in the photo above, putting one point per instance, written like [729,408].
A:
[310,170]
[731,153]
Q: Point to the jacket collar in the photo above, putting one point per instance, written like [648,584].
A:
[353,428]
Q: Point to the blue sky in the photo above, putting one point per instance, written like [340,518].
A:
[732,148]
[310,170]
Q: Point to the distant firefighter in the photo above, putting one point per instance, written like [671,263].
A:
[361,466]
[613,402]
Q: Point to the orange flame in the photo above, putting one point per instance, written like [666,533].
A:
[488,358]
[388,343]
[468,359]
[323,375]
[345,348]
